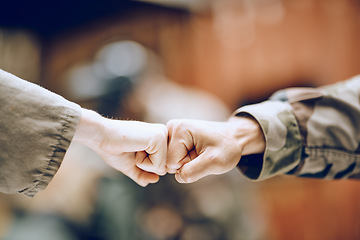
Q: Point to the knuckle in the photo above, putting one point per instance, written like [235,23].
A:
[161,127]
[177,124]
[171,171]
[171,123]
[172,166]
[161,133]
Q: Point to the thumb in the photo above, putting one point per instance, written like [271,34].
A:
[201,166]
[141,177]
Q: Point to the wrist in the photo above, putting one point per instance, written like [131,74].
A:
[90,129]
[249,134]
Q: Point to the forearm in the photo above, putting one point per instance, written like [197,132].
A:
[310,132]
[283,140]
[90,130]
[249,134]
[329,120]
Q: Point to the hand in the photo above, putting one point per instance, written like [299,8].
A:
[200,148]
[137,149]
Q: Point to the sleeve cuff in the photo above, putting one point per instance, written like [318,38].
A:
[283,140]
[59,140]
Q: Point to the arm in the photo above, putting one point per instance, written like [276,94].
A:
[310,132]
[135,148]
[200,148]
[37,127]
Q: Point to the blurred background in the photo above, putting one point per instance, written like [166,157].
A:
[155,60]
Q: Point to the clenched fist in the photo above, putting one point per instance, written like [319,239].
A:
[200,148]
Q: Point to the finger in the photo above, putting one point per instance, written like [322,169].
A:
[191,155]
[141,177]
[180,143]
[183,161]
[157,157]
[202,166]
[143,162]
[153,156]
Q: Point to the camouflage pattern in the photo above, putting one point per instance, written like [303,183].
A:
[309,132]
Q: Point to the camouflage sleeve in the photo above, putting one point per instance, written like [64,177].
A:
[309,132]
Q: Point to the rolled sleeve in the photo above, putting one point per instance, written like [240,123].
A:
[283,140]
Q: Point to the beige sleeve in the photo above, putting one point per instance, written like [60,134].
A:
[36,128]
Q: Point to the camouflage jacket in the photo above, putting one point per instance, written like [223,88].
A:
[309,132]
[36,127]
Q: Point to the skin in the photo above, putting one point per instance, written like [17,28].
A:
[200,148]
[190,149]
[137,149]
